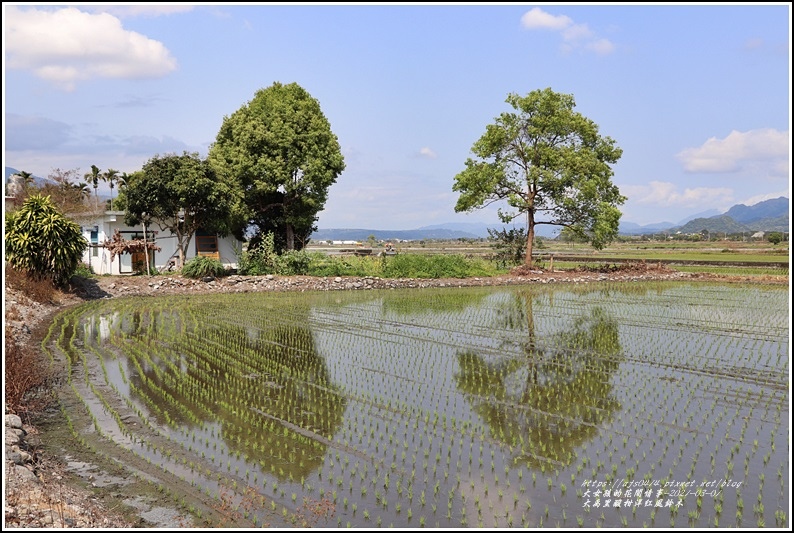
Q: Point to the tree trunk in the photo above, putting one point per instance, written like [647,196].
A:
[181,245]
[530,240]
[290,237]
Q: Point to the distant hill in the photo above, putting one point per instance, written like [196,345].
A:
[769,215]
[762,210]
[359,234]
[449,231]
[703,214]
[714,225]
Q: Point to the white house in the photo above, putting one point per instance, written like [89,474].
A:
[98,229]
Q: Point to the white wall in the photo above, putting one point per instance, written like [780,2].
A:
[110,221]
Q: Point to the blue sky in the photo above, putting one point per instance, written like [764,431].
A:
[697,96]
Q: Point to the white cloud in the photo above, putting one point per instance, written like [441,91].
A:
[576,32]
[736,150]
[601,47]
[428,153]
[666,194]
[536,18]
[140,10]
[574,36]
[67,45]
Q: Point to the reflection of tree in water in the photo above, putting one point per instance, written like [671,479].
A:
[551,398]
[290,392]
[270,393]
[433,300]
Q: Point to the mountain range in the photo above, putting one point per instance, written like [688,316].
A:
[769,215]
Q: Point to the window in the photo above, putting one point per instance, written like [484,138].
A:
[95,241]
[207,245]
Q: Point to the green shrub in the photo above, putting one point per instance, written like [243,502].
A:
[42,242]
[435,266]
[261,259]
[293,263]
[202,267]
[510,246]
[83,271]
[324,265]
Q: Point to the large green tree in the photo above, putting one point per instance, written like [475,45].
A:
[181,193]
[548,163]
[281,149]
[42,242]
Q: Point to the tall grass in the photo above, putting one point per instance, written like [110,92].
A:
[294,263]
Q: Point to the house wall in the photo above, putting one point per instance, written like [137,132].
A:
[99,258]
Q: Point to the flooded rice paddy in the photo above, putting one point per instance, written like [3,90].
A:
[644,404]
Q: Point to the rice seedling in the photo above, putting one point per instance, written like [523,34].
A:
[391,383]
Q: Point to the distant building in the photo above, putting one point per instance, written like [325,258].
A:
[758,235]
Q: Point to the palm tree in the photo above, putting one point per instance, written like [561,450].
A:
[110,176]
[83,188]
[27,179]
[93,178]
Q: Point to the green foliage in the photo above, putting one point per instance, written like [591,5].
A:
[775,237]
[260,259]
[510,245]
[549,164]
[294,263]
[434,266]
[324,265]
[263,259]
[202,267]
[84,271]
[43,243]
[183,194]
[280,148]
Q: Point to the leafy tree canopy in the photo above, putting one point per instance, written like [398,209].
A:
[549,164]
[181,193]
[280,148]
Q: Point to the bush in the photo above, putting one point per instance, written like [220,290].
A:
[38,290]
[293,263]
[43,243]
[202,267]
[27,377]
[510,246]
[324,265]
[435,266]
[83,271]
[261,259]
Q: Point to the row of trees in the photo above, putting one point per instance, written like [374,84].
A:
[111,176]
[268,171]
[274,160]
